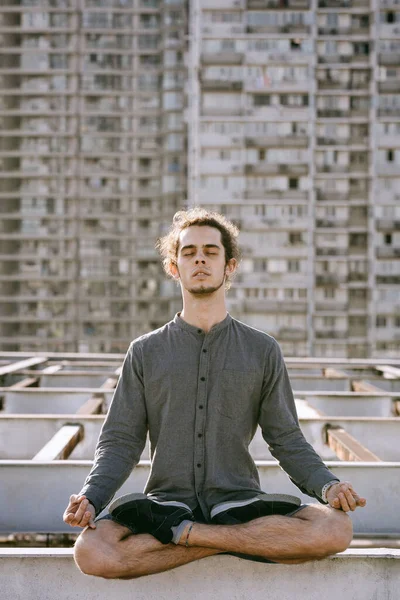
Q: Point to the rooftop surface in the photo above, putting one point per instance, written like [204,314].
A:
[52,409]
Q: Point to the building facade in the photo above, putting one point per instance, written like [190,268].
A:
[282,114]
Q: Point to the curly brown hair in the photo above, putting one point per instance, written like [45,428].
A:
[168,245]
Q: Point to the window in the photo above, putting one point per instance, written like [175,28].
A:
[293,183]
[329,292]
[328,321]
[295,238]
[381,321]
[389,155]
[262,100]
[293,266]
[388,238]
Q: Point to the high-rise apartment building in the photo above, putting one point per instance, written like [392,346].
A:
[93,164]
[283,114]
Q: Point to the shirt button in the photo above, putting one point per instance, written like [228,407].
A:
[199,465]
[202,378]
[199,331]
[200,406]
[199,435]
[204,350]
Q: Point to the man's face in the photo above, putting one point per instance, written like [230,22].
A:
[201,264]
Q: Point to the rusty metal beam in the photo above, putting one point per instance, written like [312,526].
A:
[24,383]
[346,447]
[61,444]
[93,406]
[364,386]
[22,364]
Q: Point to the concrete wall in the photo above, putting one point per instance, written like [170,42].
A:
[43,490]
[46,574]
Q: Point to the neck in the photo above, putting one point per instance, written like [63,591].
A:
[205,312]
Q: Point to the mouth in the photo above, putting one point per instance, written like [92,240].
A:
[200,274]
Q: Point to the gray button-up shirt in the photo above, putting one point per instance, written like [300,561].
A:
[201,397]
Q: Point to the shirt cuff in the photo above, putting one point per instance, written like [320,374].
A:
[326,488]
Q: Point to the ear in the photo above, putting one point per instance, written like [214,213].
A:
[231,266]
[173,269]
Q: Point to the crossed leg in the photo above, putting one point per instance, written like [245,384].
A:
[112,551]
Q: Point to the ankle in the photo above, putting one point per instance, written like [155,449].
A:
[185,537]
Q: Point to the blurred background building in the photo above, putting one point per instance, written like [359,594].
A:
[282,114]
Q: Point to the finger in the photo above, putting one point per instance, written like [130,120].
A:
[361,501]
[85,519]
[350,500]
[343,502]
[91,523]
[336,503]
[81,510]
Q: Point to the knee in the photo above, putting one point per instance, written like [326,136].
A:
[90,557]
[340,532]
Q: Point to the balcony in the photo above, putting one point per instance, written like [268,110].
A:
[331,306]
[331,333]
[357,304]
[342,141]
[280,4]
[221,84]
[389,111]
[330,279]
[217,111]
[351,169]
[264,305]
[289,28]
[343,3]
[330,113]
[332,84]
[331,223]
[326,196]
[387,225]
[223,58]
[291,141]
[387,252]
[389,30]
[222,4]
[358,250]
[357,332]
[388,169]
[389,58]
[345,31]
[276,169]
[340,58]
[391,279]
[332,251]
[291,333]
[357,221]
[389,86]
[356,277]
[266,194]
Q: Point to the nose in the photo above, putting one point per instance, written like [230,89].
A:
[200,259]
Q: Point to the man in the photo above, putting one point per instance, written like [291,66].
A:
[200,386]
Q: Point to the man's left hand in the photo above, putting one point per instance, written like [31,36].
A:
[343,497]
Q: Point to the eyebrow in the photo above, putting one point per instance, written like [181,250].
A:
[190,246]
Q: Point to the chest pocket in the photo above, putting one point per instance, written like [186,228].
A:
[237,393]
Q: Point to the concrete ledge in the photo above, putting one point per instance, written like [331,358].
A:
[45,574]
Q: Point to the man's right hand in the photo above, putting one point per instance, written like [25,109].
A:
[79,512]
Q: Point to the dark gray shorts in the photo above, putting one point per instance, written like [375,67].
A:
[199,518]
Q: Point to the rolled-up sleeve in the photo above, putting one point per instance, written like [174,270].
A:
[123,435]
[280,428]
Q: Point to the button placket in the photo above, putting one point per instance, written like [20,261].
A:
[201,405]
